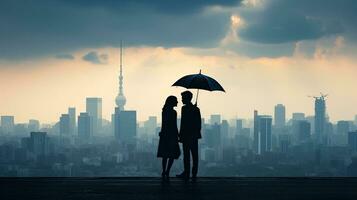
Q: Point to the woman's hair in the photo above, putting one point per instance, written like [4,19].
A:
[170,102]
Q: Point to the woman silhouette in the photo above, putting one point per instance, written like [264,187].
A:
[168,148]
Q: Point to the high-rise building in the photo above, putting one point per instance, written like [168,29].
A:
[84,126]
[343,127]
[265,123]
[72,120]
[215,119]
[39,143]
[151,125]
[213,136]
[64,125]
[94,110]
[298,116]
[125,126]
[320,120]
[303,130]
[262,133]
[256,132]
[34,125]
[224,132]
[279,116]
[239,126]
[7,124]
[352,140]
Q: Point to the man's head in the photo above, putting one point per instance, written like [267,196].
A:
[186,97]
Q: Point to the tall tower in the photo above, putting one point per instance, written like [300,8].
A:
[120,100]
[320,119]
[279,116]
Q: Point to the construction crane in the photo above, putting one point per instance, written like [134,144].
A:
[323,96]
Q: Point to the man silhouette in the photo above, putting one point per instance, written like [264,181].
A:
[190,132]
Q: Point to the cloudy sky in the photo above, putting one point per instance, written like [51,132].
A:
[55,53]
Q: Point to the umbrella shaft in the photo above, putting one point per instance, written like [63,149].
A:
[197,95]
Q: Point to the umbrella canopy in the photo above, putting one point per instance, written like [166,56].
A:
[199,81]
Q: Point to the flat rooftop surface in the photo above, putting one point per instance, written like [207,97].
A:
[154,188]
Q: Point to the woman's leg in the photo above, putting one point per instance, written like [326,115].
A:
[171,161]
[164,161]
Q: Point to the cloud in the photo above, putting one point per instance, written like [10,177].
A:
[95,58]
[284,21]
[41,28]
[65,56]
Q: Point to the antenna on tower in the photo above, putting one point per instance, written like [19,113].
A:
[121,57]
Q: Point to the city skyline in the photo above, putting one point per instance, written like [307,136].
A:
[282,65]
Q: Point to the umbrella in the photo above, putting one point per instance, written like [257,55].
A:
[199,81]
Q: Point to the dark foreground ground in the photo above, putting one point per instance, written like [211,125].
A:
[154,188]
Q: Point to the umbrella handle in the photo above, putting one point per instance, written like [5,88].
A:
[197,96]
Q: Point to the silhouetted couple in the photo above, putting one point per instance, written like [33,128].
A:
[190,132]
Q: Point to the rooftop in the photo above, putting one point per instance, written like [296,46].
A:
[154,188]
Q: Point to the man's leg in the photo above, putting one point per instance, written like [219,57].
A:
[194,151]
[186,158]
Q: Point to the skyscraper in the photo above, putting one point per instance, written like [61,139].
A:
[94,110]
[151,125]
[216,119]
[125,126]
[224,133]
[265,138]
[343,127]
[298,116]
[352,140]
[84,126]
[256,132]
[34,125]
[320,120]
[72,120]
[279,116]
[303,130]
[239,126]
[7,124]
[120,100]
[64,125]
[39,143]
[262,133]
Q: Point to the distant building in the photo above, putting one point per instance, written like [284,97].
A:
[298,116]
[64,125]
[151,125]
[262,133]
[39,143]
[279,116]
[224,133]
[215,119]
[320,120]
[239,126]
[84,126]
[7,124]
[265,123]
[352,141]
[34,125]
[72,120]
[125,126]
[94,110]
[303,130]
[343,127]
[256,132]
